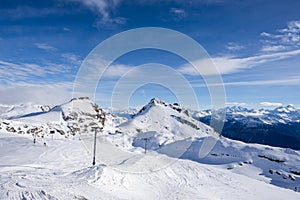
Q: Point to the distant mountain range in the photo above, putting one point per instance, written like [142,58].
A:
[279,127]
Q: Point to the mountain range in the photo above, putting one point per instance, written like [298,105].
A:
[152,148]
[279,127]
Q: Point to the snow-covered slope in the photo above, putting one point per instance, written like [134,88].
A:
[13,111]
[62,170]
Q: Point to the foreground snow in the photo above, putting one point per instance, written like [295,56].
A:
[62,171]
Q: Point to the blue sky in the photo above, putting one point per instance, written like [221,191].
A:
[254,44]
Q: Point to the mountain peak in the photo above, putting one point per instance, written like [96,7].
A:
[153,102]
[157,102]
[285,109]
[237,109]
[79,99]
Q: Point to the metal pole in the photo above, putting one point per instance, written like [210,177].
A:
[94,156]
[146,140]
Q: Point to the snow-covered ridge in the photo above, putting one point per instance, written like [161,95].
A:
[154,102]
[13,111]
[77,116]
[282,114]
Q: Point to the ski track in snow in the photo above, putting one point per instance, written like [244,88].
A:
[62,171]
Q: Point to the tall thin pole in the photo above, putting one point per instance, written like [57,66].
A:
[146,140]
[94,156]
[96,128]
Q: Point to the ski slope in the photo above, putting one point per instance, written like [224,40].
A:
[62,170]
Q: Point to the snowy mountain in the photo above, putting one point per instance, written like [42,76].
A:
[278,127]
[75,117]
[161,124]
[154,155]
[13,111]
[284,115]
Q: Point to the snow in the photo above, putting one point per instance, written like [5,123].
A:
[13,111]
[53,116]
[281,114]
[62,171]
[171,168]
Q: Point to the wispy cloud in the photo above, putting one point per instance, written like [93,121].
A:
[284,44]
[273,104]
[72,58]
[66,29]
[104,8]
[45,47]
[232,46]
[47,94]
[179,13]
[286,38]
[270,48]
[117,70]
[274,82]
[288,81]
[30,82]
[14,73]
[228,65]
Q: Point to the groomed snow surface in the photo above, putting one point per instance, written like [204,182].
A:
[62,170]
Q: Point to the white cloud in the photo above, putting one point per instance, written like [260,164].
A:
[116,71]
[13,73]
[104,9]
[270,104]
[285,38]
[232,46]
[293,27]
[72,58]
[228,65]
[265,34]
[66,29]
[45,47]
[40,94]
[180,13]
[288,81]
[93,68]
[29,82]
[269,48]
